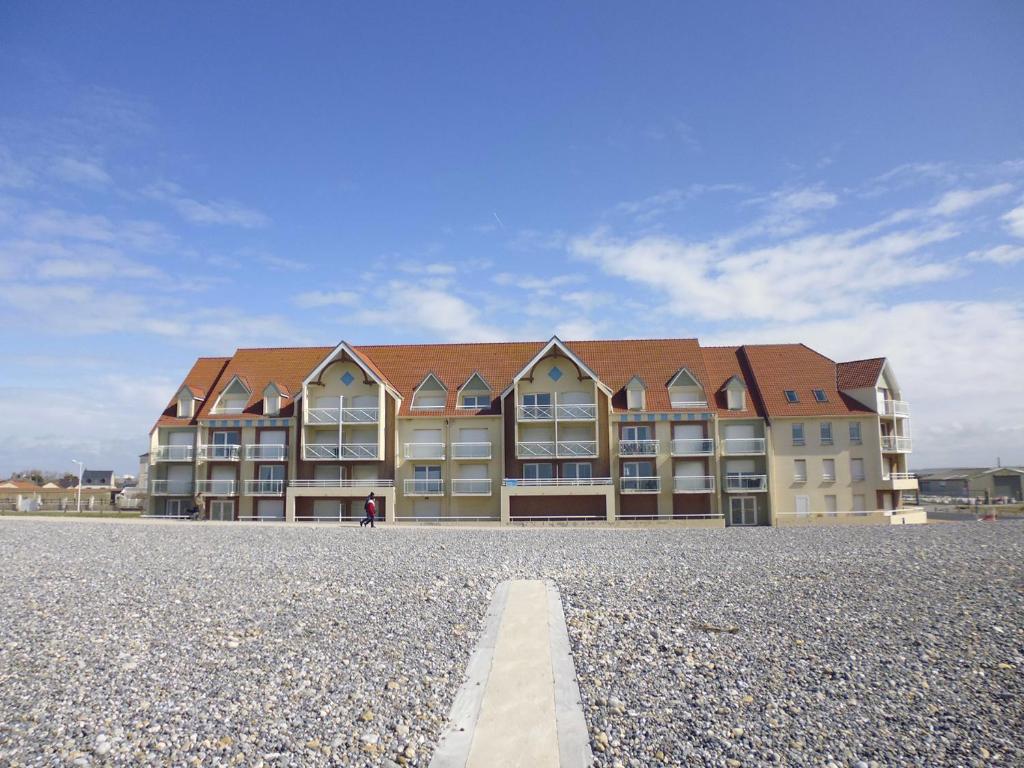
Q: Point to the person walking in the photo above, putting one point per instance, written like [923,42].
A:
[370,507]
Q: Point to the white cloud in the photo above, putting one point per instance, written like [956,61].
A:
[14,173]
[86,173]
[311,299]
[953,360]
[226,212]
[652,207]
[802,200]
[1014,221]
[428,309]
[798,278]
[434,269]
[1000,254]
[959,200]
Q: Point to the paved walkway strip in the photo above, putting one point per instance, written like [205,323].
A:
[520,704]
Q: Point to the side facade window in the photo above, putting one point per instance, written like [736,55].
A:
[826,433]
[798,434]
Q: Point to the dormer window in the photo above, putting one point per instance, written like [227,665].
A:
[820,396]
[475,393]
[735,394]
[186,404]
[792,396]
[685,391]
[636,394]
[431,393]
[234,398]
[272,397]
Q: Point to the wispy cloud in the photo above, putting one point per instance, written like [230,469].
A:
[432,309]
[958,200]
[1014,221]
[1000,254]
[654,206]
[86,173]
[226,212]
[313,299]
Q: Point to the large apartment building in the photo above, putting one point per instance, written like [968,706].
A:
[591,430]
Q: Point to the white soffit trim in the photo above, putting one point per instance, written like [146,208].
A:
[557,342]
[358,360]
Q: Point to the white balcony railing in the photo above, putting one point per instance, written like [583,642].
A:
[745,481]
[227,410]
[900,476]
[351,482]
[471,450]
[424,450]
[265,452]
[574,448]
[264,487]
[424,487]
[536,412]
[743,446]
[171,487]
[321,451]
[689,404]
[693,484]
[471,487]
[216,487]
[693,446]
[896,408]
[531,450]
[896,444]
[173,453]
[576,412]
[640,484]
[219,452]
[639,447]
[342,415]
[533,482]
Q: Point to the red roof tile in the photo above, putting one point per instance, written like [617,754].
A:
[201,380]
[858,374]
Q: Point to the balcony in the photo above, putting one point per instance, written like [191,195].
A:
[695,446]
[173,453]
[896,409]
[220,452]
[566,412]
[263,487]
[896,444]
[471,487]
[342,415]
[744,481]
[352,482]
[471,450]
[693,484]
[564,449]
[424,451]
[639,447]
[171,487]
[743,446]
[424,487]
[543,482]
[900,481]
[216,487]
[332,452]
[640,484]
[264,452]
[689,404]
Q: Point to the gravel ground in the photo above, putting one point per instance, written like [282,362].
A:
[183,644]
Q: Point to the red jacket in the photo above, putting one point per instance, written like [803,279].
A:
[371,507]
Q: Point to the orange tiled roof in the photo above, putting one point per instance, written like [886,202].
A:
[779,367]
[766,370]
[201,380]
[857,374]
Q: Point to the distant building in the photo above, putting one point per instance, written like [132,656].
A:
[98,478]
[969,482]
[27,496]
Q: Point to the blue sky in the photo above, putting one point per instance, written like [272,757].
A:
[181,180]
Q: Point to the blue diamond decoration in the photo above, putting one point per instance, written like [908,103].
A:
[555,373]
[347,379]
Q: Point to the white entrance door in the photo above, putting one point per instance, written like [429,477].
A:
[803,505]
[743,510]
[222,509]
[270,509]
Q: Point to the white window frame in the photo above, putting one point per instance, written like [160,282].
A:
[271,405]
[576,465]
[802,439]
[742,510]
[797,476]
[857,477]
[221,504]
[475,401]
[416,393]
[534,395]
[791,395]
[535,466]
[826,476]
[823,395]
[823,428]
[856,438]
[631,433]
[832,506]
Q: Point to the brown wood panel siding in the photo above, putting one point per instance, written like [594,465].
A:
[583,507]
[513,467]
[387,467]
[638,505]
[685,504]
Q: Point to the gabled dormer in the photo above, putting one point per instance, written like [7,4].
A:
[233,398]
[557,348]
[636,394]
[684,391]
[273,399]
[429,394]
[735,394]
[187,402]
[475,393]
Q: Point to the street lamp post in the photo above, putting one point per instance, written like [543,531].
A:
[81,469]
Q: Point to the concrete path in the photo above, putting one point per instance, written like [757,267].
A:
[520,704]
